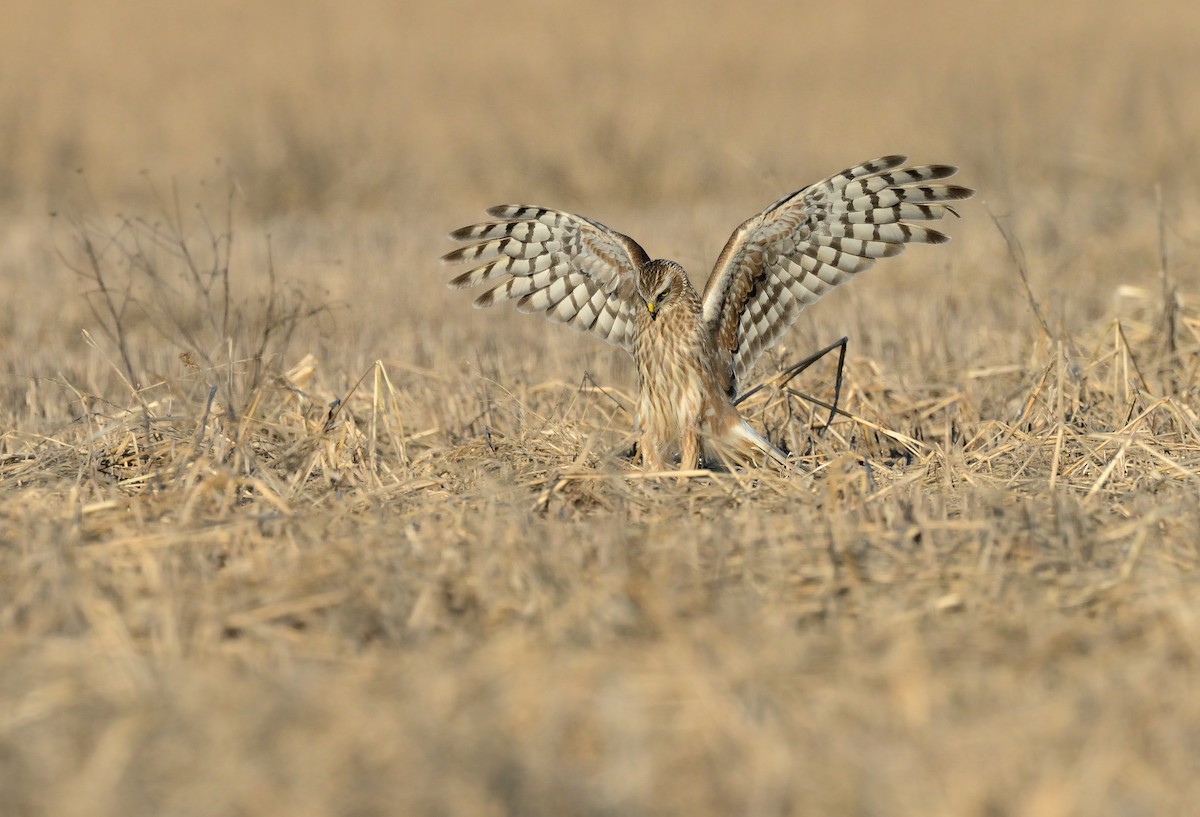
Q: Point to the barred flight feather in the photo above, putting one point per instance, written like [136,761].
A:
[830,230]
[575,270]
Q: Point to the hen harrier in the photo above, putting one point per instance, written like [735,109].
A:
[693,350]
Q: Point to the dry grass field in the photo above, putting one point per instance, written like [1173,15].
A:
[286,527]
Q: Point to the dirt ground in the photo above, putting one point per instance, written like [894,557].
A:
[286,527]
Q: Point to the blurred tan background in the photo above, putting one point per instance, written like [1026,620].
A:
[403,105]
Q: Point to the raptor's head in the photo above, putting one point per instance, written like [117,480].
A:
[660,284]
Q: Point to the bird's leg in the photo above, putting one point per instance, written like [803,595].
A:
[690,450]
[651,458]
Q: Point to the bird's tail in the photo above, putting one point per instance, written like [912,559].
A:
[747,439]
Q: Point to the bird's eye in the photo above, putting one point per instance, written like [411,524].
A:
[660,297]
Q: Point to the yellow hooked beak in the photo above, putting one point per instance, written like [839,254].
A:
[651,309]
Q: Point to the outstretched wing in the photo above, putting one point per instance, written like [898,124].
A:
[575,270]
[805,244]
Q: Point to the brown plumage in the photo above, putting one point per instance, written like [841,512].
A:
[692,351]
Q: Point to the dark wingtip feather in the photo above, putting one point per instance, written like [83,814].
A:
[942,171]
[525,303]
[461,281]
[510,211]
